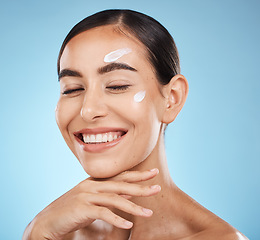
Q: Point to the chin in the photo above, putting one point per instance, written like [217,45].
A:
[101,170]
[107,167]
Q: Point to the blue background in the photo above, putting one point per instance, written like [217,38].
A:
[212,147]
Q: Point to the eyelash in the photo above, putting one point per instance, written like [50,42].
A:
[66,92]
[115,88]
[119,88]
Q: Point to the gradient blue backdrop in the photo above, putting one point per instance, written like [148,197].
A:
[212,147]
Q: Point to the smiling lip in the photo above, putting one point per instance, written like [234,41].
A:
[99,146]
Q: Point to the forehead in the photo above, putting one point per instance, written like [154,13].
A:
[97,42]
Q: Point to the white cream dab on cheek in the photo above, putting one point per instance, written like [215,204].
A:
[113,56]
[139,97]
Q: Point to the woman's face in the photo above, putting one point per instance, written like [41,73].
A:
[103,123]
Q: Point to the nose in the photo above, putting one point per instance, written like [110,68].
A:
[93,107]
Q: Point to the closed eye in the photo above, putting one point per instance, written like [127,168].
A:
[69,91]
[119,88]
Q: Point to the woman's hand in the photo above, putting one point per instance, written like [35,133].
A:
[91,200]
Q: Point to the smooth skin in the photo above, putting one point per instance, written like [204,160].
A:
[130,194]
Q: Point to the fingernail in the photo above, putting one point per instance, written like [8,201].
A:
[147,212]
[154,170]
[155,187]
[128,224]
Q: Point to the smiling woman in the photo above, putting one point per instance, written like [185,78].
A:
[120,86]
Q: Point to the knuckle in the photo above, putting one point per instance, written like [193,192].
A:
[122,176]
[81,186]
[113,196]
[77,211]
[101,211]
[134,207]
[82,197]
[126,173]
[117,219]
[85,185]
[144,190]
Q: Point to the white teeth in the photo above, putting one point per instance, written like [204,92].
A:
[98,138]
[101,138]
[110,138]
[104,138]
[88,138]
[92,138]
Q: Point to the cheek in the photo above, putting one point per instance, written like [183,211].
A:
[65,112]
[138,109]
[144,124]
[132,107]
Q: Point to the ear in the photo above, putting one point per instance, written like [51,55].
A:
[175,92]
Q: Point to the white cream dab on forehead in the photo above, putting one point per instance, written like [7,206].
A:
[113,56]
[139,97]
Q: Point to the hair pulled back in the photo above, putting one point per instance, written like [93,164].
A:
[162,52]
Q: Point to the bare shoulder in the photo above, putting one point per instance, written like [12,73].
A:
[206,225]
[216,234]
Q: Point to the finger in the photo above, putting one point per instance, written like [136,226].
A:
[116,201]
[123,188]
[135,176]
[103,213]
[125,196]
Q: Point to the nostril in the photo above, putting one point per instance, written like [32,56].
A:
[90,113]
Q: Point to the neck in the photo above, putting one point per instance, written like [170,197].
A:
[158,203]
[157,159]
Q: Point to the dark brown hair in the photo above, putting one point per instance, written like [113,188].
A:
[161,48]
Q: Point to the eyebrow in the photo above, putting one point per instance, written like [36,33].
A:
[68,73]
[102,70]
[115,66]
